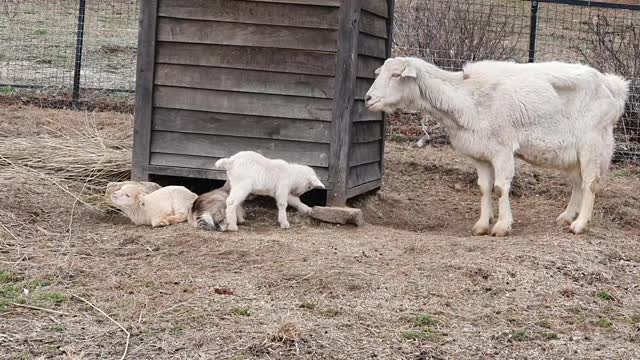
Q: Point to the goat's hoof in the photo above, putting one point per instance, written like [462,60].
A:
[565,219]
[501,230]
[285,225]
[231,227]
[241,221]
[480,229]
[578,227]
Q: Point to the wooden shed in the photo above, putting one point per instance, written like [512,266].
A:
[285,78]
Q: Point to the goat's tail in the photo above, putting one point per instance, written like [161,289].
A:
[618,87]
[224,163]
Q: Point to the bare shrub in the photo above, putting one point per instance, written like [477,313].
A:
[450,33]
[614,46]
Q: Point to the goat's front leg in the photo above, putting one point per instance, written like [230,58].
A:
[504,168]
[485,182]
[282,196]
[298,204]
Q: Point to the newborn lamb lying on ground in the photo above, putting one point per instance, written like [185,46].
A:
[209,210]
[166,206]
[251,173]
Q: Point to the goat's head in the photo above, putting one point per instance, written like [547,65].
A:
[395,86]
[306,180]
[128,196]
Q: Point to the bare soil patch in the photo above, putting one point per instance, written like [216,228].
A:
[410,285]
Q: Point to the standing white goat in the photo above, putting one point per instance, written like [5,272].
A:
[251,173]
[553,114]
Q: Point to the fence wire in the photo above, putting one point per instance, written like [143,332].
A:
[451,33]
[38,41]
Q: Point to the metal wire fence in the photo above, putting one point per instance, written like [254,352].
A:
[605,35]
[50,43]
[56,44]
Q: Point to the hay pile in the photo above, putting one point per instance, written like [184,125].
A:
[88,160]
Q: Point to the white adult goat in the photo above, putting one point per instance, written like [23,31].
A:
[551,114]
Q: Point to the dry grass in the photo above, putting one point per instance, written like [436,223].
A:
[411,285]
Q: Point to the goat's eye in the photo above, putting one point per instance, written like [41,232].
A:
[127,195]
[395,75]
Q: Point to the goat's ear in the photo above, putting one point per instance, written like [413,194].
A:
[317,184]
[377,71]
[409,71]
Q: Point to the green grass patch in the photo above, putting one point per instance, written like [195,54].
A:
[241,312]
[519,335]
[54,297]
[424,320]
[414,335]
[604,295]
[550,335]
[7,90]
[604,323]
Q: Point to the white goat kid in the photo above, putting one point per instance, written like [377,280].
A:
[555,115]
[251,173]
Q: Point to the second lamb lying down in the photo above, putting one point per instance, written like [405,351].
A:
[166,206]
[208,210]
[251,173]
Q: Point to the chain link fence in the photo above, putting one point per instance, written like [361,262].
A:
[52,45]
[449,33]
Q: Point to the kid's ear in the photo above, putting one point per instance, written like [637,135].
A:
[377,71]
[317,183]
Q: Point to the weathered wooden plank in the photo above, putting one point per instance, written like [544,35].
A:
[306,153]
[303,2]
[241,125]
[365,153]
[343,105]
[205,162]
[264,13]
[186,172]
[362,87]
[367,66]
[378,7]
[388,55]
[373,24]
[291,107]
[361,113]
[362,174]
[366,131]
[144,89]
[217,78]
[372,46]
[364,188]
[253,58]
[223,33]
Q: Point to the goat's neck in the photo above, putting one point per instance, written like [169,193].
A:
[443,96]
[137,213]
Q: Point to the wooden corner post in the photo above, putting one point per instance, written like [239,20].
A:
[144,90]
[346,72]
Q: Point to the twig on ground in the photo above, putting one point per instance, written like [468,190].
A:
[41,309]
[126,347]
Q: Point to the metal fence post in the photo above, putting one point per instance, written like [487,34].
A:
[533,31]
[78,62]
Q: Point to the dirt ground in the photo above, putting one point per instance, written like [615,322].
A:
[412,284]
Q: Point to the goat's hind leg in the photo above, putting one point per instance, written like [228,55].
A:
[573,208]
[504,167]
[590,169]
[236,196]
[485,182]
